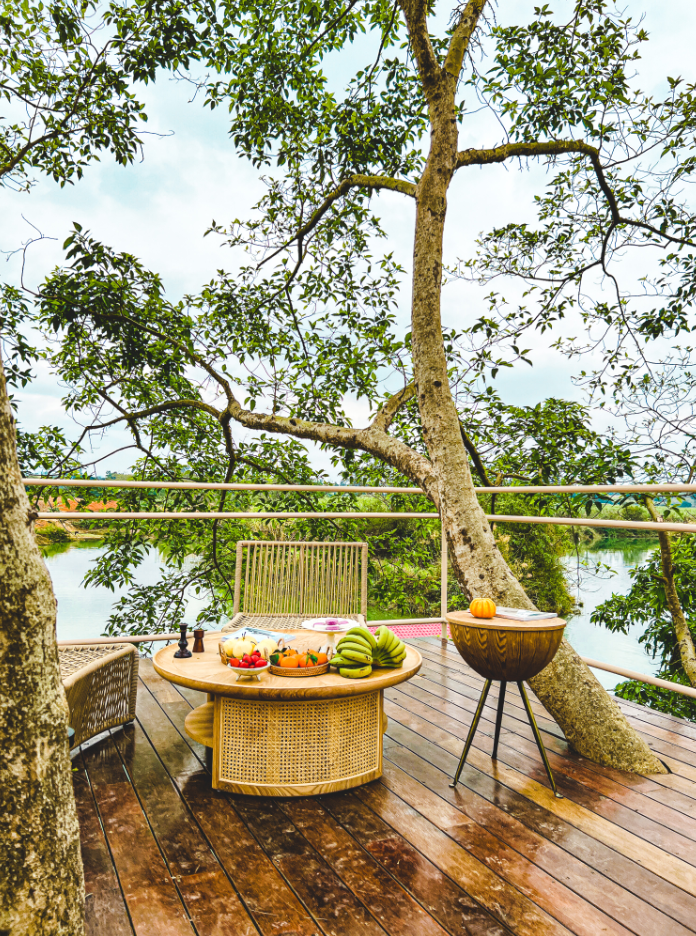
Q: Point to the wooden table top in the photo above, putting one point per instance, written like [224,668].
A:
[207,673]
[499,623]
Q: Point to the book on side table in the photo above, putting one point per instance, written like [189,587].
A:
[526,617]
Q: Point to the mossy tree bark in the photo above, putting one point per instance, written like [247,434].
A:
[41,883]
[685,643]
[590,718]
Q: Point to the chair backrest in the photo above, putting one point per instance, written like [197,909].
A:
[300,578]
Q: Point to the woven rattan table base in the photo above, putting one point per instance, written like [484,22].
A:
[293,748]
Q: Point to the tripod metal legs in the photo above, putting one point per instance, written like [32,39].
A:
[498,723]
[472,732]
[537,738]
[499,719]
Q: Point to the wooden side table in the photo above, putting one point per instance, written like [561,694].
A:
[286,737]
[506,651]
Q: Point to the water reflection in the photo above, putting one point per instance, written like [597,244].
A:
[83,613]
[592,589]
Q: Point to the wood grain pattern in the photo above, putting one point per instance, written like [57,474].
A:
[544,888]
[333,905]
[210,899]
[151,896]
[485,886]
[404,855]
[660,863]
[507,831]
[200,723]
[389,903]
[447,668]
[641,850]
[505,650]
[266,895]
[437,704]
[405,749]
[105,908]
[450,904]
[206,673]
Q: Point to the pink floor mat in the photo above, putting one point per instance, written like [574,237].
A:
[411,630]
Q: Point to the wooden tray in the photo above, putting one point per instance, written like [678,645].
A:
[300,670]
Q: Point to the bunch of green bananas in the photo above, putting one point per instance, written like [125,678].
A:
[358,651]
[390,650]
[353,657]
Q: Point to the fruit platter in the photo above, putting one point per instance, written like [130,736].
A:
[359,651]
[289,661]
[246,656]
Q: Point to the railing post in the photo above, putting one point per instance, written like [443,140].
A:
[443,580]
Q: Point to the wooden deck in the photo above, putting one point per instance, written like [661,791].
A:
[164,854]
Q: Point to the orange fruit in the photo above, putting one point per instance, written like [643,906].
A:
[321,658]
[290,662]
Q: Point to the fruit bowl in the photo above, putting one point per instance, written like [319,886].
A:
[299,670]
[251,671]
[241,671]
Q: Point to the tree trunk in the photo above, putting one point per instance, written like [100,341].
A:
[591,720]
[41,885]
[685,642]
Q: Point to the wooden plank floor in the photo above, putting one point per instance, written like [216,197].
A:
[165,854]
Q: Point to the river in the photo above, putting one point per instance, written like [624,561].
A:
[83,613]
[591,590]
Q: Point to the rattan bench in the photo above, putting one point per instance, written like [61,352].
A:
[101,685]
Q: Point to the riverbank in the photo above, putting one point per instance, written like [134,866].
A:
[594,574]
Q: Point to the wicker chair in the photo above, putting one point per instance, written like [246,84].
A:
[279,585]
[101,684]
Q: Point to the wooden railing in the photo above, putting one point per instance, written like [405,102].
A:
[665,526]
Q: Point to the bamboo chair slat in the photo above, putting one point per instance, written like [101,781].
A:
[300,579]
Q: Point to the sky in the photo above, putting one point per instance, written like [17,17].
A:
[160,207]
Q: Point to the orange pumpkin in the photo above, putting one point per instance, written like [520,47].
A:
[482,608]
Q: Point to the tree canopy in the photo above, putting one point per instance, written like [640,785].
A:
[310,319]
[68,73]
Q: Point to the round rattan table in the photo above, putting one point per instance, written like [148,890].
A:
[278,736]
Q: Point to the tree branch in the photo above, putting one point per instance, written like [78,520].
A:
[154,410]
[191,354]
[334,22]
[374,441]
[384,417]
[475,457]
[462,36]
[415,13]
[484,157]
[353,181]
